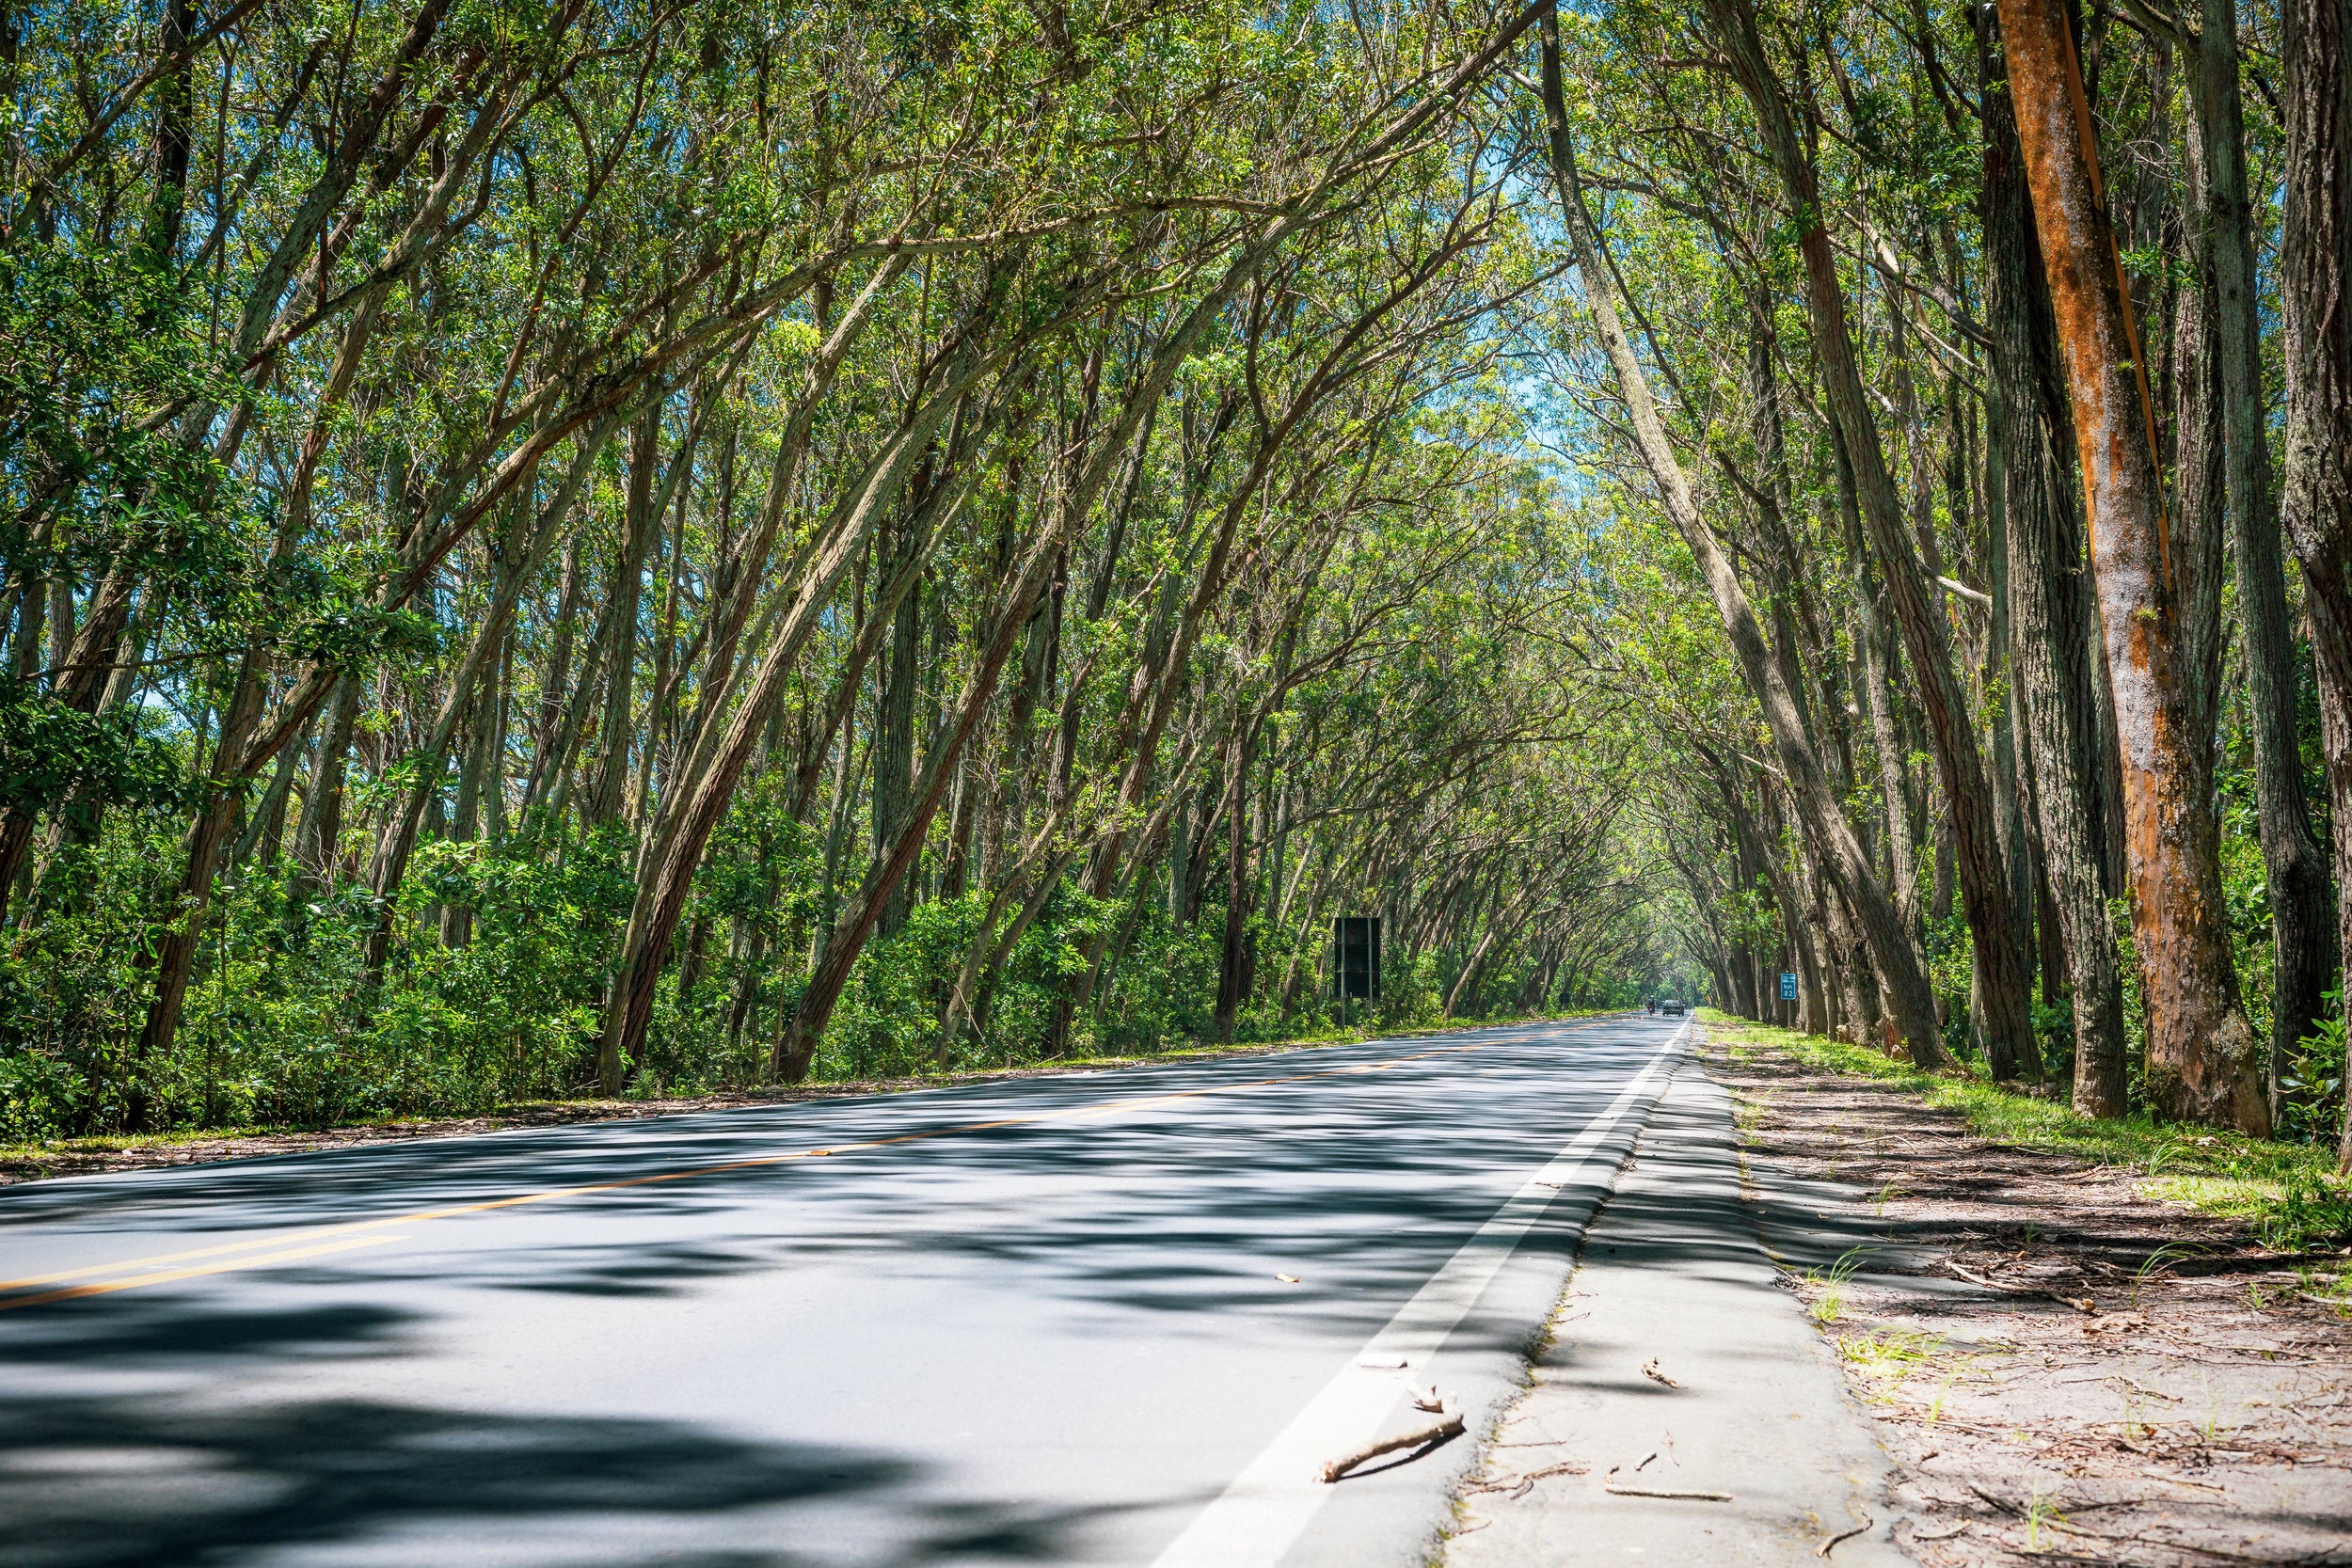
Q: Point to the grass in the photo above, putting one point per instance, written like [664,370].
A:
[2289,1192]
[35,1151]
[1892,1355]
[2332,1289]
[1831,1303]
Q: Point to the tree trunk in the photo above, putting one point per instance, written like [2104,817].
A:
[1232,957]
[625,585]
[2053,639]
[1878,680]
[174,960]
[2204,1064]
[795,1046]
[2317,495]
[894,720]
[2302,940]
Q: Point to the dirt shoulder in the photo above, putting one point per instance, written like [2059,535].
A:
[42,1162]
[2065,1367]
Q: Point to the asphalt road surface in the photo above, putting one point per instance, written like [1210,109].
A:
[1030,1321]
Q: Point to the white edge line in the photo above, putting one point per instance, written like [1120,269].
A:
[1253,1523]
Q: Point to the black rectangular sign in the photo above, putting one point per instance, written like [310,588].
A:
[1356,956]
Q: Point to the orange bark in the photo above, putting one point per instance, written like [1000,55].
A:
[2203,1060]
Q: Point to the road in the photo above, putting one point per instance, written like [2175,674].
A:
[1027,1321]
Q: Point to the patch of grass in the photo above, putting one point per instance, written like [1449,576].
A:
[1831,1303]
[2289,1191]
[1888,1354]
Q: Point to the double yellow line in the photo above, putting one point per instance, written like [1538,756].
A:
[319,1240]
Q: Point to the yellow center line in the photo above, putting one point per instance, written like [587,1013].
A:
[142,1270]
[72,1293]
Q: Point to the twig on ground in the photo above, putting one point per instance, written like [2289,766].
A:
[1823,1549]
[1649,1370]
[1520,1486]
[1438,1433]
[1608,1484]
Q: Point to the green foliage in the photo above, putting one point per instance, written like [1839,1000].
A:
[2314,1210]
[281,1025]
[2311,1080]
[55,756]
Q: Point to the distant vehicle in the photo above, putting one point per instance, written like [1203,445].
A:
[1672,1006]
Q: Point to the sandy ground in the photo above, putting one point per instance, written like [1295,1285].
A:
[2063,1369]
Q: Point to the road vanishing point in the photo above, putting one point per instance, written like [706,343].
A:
[1099,1317]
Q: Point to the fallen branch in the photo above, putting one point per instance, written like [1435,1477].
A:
[2080,1303]
[1450,1427]
[1608,1484]
[1823,1549]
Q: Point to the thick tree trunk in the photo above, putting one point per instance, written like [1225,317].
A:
[2314,285]
[2203,1063]
[2053,639]
[1857,982]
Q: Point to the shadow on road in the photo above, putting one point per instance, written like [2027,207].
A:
[125,1438]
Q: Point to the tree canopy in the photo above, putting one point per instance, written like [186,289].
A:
[636,546]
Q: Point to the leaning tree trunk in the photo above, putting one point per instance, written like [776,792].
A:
[894,720]
[795,1047]
[2203,1060]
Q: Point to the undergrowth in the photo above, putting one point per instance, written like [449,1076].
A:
[2289,1192]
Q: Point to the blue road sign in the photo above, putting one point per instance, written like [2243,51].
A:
[1788,986]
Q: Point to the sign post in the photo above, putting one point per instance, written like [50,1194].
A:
[1355,960]
[1788,986]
